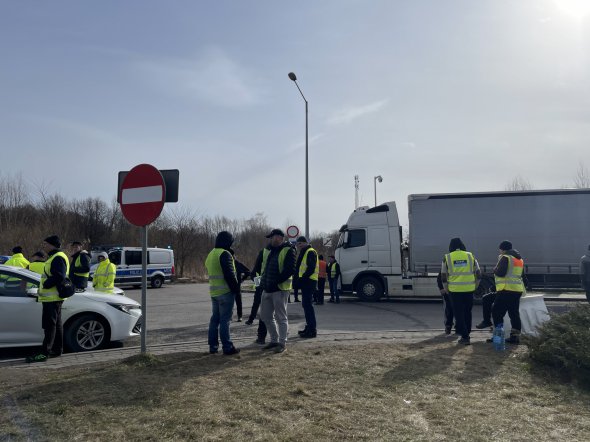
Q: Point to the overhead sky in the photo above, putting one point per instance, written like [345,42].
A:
[434,96]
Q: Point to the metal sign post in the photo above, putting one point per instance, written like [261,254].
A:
[144,241]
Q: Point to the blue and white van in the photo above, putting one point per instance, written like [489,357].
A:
[160,265]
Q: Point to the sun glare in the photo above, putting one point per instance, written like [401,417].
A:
[579,9]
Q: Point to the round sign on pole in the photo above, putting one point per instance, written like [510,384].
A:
[292,231]
[143,193]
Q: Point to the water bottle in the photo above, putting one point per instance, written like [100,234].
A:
[498,338]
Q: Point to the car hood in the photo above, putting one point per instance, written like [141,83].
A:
[103,297]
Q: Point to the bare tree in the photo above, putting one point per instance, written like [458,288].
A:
[582,178]
[519,183]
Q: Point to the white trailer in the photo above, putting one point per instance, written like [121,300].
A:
[550,228]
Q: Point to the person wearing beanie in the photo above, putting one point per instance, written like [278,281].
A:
[508,275]
[54,274]
[460,275]
[585,273]
[306,279]
[17,259]
[37,262]
[80,265]
[223,289]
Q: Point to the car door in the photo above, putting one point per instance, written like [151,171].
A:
[20,313]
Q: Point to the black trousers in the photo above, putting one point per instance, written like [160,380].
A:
[319,294]
[507,301]
[486,302]
[53,342]
[588,294]
[239,304]
[448,310]
[255,304]
[462,303]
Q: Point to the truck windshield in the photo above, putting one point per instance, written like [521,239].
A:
[340,240]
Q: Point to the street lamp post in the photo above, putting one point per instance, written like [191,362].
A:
[293,77]
[375,179]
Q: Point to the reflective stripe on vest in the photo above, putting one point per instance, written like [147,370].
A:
[513,279]
[461,275]
[217,283]
[77,264]
[303,266]
[104,276]
[51,295]
[286,285]
[333,270]
[37,267]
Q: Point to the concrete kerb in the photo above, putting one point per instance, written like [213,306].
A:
[200,346]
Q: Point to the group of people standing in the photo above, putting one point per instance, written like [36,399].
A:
[278,269]
[460,276]
[55,267]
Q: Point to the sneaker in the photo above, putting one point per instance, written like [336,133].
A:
[302,332]
[464,341]
[484,324]
[249,322]
[213,351]
[270,345]
[232,351]
[309,334]
[280,348]
[260,341]
[448,330]
[513,339]
[37,358]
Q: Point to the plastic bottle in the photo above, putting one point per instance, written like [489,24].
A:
[498,339]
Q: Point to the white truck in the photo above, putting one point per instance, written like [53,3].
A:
[550,228]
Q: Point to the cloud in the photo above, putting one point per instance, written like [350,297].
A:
[301,144]
[349,114]
[408,145]
[213,77]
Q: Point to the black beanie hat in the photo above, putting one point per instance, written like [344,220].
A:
[17,249]
[456,244]
[505,245]
[53,240]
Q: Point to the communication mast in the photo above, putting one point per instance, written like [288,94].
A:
[356,192]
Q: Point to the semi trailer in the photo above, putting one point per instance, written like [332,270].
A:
[550,228]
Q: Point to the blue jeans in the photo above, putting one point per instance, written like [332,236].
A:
[334,289]
[222,310]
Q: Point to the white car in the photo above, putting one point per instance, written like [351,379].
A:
[90,319]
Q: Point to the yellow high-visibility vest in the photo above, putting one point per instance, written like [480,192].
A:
[104,277]
[51,295]
[217,283]
[512,281]
[303,266]
[285,285]
[461,272]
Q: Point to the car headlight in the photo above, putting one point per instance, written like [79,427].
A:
[125,308]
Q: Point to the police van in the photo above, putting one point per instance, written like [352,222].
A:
[160,265]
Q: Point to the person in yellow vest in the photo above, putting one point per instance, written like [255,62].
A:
[54,274]
[103,279]
[276,281]
[80,265]
[306,279]
[37,263]
[460,275]
[508,275]
[223,287]
[16,260]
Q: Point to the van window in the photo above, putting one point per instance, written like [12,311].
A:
[356,238]
[157,257]
[132,257]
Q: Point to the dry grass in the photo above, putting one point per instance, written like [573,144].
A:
[428,391]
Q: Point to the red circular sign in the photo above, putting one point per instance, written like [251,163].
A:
[292,231]
[143,193]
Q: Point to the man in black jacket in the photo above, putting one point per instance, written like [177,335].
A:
[333,276]
[306,278]
[277,272]
[256,273]
[80,266]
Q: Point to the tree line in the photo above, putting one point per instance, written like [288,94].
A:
[28,214]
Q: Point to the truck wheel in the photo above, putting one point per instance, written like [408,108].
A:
[369,288]
[86,333]
[486,286]
[157,282]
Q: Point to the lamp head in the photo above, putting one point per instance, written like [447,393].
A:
[292,76]
[379,178]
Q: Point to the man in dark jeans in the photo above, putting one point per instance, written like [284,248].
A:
[333,272]
[510,287]
[242,272]
[257,272]
[306,278]
[54,274]
[585,273]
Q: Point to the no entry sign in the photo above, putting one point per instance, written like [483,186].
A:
[142,196]
[292,231]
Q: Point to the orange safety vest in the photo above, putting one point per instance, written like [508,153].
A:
[322,273]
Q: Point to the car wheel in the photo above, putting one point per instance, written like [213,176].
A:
[86,333]
[157,282]
[369,288]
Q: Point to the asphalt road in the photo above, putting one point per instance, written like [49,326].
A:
[180,312]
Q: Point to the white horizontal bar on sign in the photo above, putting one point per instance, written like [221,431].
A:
[138,195]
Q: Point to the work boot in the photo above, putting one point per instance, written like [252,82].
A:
[249,322]
[464,341]
[231,351]
[448,330]
[484,324]
[302,332]
[280,348]
[260,341]
[309,334]
[514,337]
[270,345]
